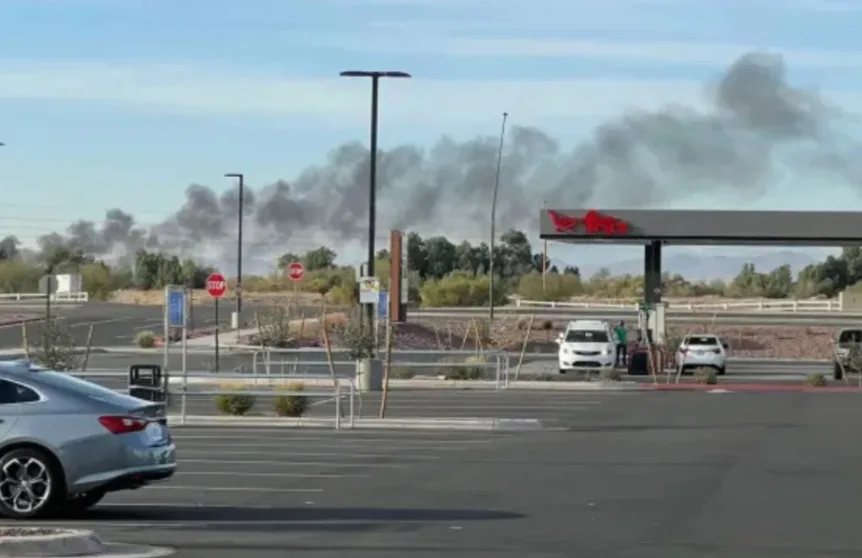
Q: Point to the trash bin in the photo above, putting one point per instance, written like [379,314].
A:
[145,382]
[639,362]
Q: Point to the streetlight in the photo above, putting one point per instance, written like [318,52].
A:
[241,179]
[494,218]
[372,168]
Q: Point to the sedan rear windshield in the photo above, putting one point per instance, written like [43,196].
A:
[709,341]
[80,386]
[585,336]
[850,336]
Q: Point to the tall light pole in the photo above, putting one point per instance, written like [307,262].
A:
[494,217]
[372,168]
[241,178]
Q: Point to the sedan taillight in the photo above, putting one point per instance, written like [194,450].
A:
[122,425]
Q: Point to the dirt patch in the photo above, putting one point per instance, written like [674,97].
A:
[802,342]
[157,297]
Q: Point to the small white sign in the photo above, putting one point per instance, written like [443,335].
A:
[369,290]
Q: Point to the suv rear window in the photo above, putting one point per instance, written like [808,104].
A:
[584,336]
[850,336]
[705,340]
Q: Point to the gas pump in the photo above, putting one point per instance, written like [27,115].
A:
[651,332]
[651,323]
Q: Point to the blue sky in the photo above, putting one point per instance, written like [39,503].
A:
[124,103]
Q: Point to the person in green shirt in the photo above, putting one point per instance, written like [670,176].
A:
[622,344]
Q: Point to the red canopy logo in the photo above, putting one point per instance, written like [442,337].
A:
[593,223]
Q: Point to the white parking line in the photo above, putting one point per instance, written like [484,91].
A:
[245,474]
[319,454]
[289,463]
[229,488]
[268,449]
[246,441]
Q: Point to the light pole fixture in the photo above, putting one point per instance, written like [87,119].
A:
[494,217]
[372,167]
[241,178]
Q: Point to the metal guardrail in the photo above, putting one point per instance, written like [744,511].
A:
[765,305]
[273,362]
[336,393]
[56,298]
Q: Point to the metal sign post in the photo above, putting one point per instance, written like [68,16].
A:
[176,316]
[216,286]
[382,314]
[48,286]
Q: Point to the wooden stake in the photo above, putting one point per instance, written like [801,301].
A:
[87,350]
[24,340]
[328,347]
[524,345]
[386,368]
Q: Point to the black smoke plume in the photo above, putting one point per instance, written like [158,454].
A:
[640,159]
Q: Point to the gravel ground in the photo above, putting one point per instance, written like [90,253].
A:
[803,342]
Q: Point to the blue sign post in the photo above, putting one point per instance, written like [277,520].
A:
[176,308]
[383,305]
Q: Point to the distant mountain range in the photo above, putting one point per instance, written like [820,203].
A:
[704,268]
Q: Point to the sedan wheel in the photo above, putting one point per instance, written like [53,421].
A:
[27,487]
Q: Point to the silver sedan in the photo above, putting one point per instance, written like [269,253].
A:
[66,442]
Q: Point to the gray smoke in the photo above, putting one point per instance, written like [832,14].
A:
[640,159]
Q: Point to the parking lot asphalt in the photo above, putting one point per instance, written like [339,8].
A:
[656,475]
[113,324]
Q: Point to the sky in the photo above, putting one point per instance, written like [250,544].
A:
[125,103]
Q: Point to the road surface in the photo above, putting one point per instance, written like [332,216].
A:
[655,475]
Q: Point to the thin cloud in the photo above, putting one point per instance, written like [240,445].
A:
[187,89]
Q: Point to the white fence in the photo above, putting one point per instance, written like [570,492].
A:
[56,298]
[750,305]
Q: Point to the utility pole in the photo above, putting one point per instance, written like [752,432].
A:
[494,218]
[241,178]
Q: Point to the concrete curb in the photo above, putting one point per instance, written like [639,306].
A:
[18,354]
[482,424]
[761,388]
[65,542]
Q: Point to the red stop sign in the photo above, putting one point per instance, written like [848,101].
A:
[295,270]
[216,285]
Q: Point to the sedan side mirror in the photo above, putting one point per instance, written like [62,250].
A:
[726,347]
[559,338]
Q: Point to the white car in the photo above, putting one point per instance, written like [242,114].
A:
[586,344]
[702,351]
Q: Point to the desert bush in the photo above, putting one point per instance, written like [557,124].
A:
[291,404]
[55,346]
[705,376]
[557,286]
[275,325]
[816,380]
[461,289]
[401,373]
[471,368]
[145,339]
[611,375]
[359,340]
[234,404]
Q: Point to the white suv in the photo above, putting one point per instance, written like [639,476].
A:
[705,351]
[586,344]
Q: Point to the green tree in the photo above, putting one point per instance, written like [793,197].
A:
[319,258]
